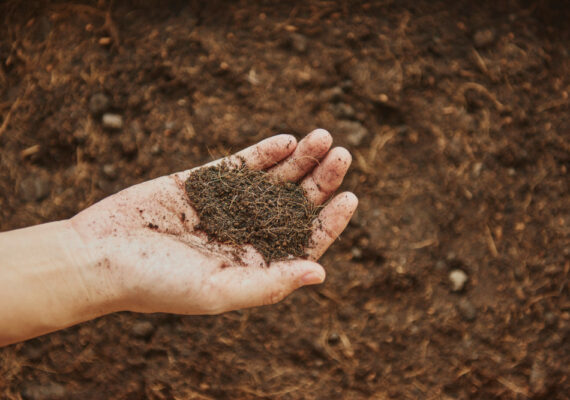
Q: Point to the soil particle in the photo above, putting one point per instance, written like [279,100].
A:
[239,206]
[467,310]
[457,278]
[550,318]
[356,252]
[354,132]
[49,391]
[99,103]
[35,188]
[331,95]
[440,265]
[110,171]
[342,110]
[537,378]
[142,329]
[298,42]
[484,37]
[112,121]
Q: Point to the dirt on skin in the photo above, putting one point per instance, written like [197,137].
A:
[457,115]
[239,206]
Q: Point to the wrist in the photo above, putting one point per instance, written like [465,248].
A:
[50,281]
[92,269]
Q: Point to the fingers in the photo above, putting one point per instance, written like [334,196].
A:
[260,156]
[263,286]
[264,154]
[327,177]
[307,154]
[330,223]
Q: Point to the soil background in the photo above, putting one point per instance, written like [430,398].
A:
[457,115]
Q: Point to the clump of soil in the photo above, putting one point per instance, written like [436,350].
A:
[239,206]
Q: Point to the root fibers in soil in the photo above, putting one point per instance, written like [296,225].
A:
[239,206]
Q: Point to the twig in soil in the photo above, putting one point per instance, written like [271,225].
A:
[112,28]
[8,115]
[483,90]
[491,242]
[3,78]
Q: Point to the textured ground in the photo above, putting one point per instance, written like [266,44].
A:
[457,115]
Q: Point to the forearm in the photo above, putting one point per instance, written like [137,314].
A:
[48,281]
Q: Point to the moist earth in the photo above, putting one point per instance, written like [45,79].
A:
[457,117]
[239,206]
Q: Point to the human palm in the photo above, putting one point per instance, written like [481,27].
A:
[152,257]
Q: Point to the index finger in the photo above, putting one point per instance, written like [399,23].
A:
[260,156]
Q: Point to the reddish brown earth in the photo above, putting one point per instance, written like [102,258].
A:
[238,206]
[457,115]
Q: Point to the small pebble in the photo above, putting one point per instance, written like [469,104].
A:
[347,85]
[519,272]
[356,252]
[142,329]
[47,391]
[110,171]
[484,37]
[550,318]
[155,149]
[106,186]
[477,167]
[467,310]
[34,188]
[383,98]
[440,265]
[342,110]
[353,131]
[112,121]
[105,41]
[299,42]
[333,338]
[457,278]
[332,94]
[80,135]
[99,103]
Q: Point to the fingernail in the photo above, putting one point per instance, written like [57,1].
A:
[311,278]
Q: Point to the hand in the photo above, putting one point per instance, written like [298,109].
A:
[153,260]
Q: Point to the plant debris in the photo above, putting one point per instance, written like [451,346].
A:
[239,206]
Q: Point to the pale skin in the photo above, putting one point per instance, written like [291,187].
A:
[137,250]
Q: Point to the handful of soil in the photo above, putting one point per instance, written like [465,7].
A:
[240,206]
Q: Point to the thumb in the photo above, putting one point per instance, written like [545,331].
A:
[264,286]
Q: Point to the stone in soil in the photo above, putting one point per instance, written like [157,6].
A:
[112,121]
[34,188]
[142,329]
[99,103]
[331,94]
[484,37]
[299,42]
[110,171]
[457,279]
[353,131]
[467,310]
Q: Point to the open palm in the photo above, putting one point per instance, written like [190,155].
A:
[152,257]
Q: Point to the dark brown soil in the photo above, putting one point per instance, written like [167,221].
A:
[457,115]
[238,206]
